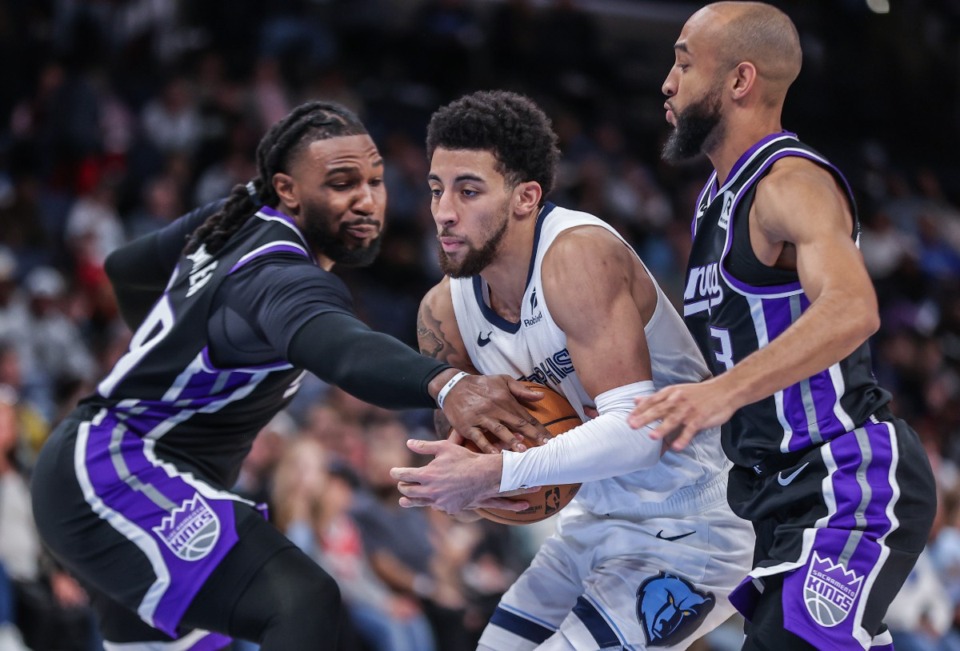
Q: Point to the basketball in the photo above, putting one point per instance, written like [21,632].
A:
[557,416]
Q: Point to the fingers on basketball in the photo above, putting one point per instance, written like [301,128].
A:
[558,416]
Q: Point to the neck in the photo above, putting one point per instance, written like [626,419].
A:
[506,276]
[739,136]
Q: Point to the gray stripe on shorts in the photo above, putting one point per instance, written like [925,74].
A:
[123,471]
[866,493]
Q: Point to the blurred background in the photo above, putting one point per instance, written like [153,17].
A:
[116,116]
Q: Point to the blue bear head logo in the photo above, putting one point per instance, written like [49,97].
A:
[669,608]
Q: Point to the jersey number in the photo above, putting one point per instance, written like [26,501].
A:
[725,354]
[150,333]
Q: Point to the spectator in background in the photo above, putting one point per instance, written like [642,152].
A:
[403,548]
[313,498]
[259,468]
[171,120]
[50,606]
[58,354]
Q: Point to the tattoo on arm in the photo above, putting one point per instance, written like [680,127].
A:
[429,335]
[434,344]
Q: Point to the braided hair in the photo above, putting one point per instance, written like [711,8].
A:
[282,143]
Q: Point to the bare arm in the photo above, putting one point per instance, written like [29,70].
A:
[800,220]
[600,296]
[482,404]
[598,293]
[435,309]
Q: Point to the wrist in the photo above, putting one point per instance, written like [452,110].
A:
[438,381]
[448,386]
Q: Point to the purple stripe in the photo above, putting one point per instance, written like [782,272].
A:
[739,284]
[186,576]
[211,642]
[846,488]
[760,144]
[267,210]
[273,366]
[286,248]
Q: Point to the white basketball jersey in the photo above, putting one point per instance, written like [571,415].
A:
[535,348]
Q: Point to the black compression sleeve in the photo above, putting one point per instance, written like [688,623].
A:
[343,351]
[139,271]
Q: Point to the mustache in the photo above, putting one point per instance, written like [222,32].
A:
[362,221]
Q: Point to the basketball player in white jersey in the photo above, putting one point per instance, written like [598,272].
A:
[648,551]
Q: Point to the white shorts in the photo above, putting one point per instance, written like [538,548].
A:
[585,591]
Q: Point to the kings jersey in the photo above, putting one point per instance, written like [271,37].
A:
[734,305]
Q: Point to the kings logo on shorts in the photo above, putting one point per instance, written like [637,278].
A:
[830,591]
[191,530]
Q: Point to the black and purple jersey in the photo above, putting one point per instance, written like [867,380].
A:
[155,451]
[735,305]
[206,370]
[840,492]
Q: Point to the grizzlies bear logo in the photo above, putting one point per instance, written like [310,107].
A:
[670,608]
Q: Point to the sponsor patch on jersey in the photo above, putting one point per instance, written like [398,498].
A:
[724,221]
[191,530]
[534,320]
[829,591]
[670,608]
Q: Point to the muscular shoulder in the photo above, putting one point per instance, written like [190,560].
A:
[438,334]
[438,300]
[584,257]
[798,194]
[587,268]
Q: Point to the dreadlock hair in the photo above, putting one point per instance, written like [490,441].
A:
[509,125]
[282,143]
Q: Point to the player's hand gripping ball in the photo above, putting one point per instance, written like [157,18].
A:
[557,416]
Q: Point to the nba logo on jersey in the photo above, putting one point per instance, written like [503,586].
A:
[724,220]
[830,591]
[191,530]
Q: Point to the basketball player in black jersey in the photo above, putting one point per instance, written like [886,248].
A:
[131,491]
[840,491]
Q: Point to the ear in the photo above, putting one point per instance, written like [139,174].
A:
[526,197]
[286,189]
[744,77]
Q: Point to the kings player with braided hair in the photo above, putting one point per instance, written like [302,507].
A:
[230,305]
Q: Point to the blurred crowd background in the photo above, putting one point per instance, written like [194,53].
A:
[116,116]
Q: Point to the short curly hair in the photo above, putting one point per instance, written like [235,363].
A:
[509,125]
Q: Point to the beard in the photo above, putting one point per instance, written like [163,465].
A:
[698,127]
[475,260]
[333,243]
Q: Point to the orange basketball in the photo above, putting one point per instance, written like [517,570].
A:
[558,416]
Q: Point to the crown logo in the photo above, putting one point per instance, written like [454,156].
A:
[191,530]
[830,590]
